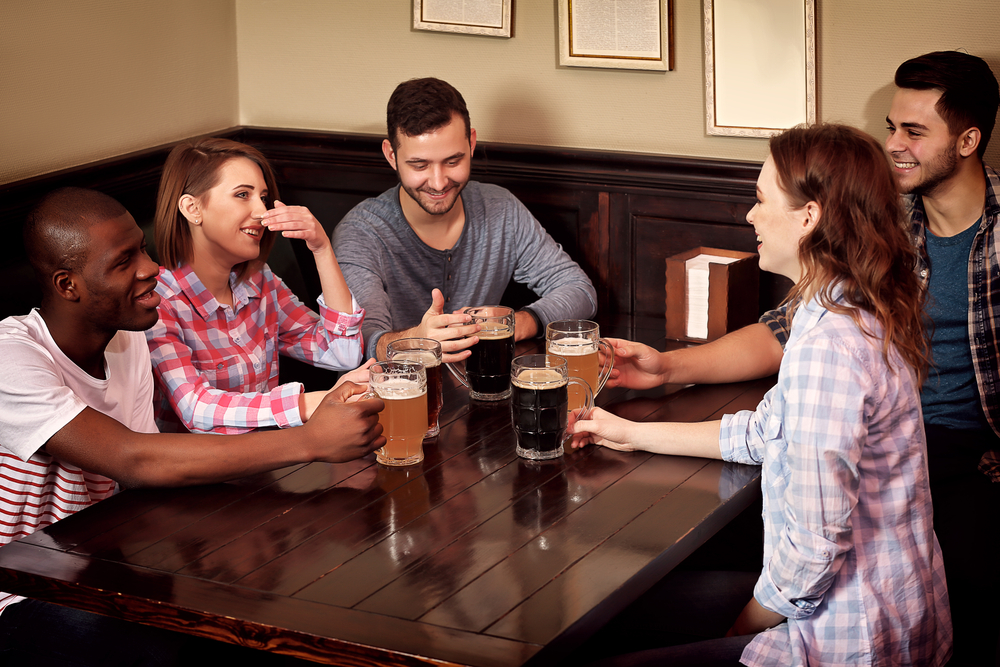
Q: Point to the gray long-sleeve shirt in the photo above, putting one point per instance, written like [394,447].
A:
[392,272]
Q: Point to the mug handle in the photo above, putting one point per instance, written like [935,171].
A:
[458,373]
[588,405]
[609,364]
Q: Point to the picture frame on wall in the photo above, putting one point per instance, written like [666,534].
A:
[617,34]
[489,18]
[760,66]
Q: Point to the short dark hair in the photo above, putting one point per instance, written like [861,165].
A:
[969,91]
[419,106]
[55,231]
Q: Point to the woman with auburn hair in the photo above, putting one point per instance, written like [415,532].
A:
[852,572]
[224,317]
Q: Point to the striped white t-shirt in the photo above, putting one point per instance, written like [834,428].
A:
[41,391]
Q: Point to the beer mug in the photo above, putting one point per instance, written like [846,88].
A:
[403,387]
[578,341]
[428,352]
[487,370]
[538,405]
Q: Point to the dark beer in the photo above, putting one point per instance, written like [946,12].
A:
[538,410]
[488,368]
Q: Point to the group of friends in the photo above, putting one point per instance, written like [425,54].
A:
[878,440]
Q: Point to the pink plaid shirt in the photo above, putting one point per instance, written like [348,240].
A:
[216,367]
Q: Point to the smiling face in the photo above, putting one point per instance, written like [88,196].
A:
[225,221]
[923,150]
[433,167]
[778,224]
[118,279]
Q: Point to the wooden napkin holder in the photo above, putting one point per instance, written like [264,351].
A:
[732,293]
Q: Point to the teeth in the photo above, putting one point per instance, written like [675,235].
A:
[251,232]
[904,165]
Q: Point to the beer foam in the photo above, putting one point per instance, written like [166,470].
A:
[539,378]
[572,347]
[494,331]
[428,359]
[398,388]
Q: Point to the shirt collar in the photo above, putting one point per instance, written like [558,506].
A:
[203,301]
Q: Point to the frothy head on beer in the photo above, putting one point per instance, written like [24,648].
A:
[539,378]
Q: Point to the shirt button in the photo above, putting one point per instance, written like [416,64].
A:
[220,366]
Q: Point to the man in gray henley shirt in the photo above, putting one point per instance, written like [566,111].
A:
[411,255]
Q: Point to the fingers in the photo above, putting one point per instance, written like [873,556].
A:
[344,391]
[437,303]
[359,375]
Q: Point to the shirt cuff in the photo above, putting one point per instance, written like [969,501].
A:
[539,327]
[285,405]
[769,597]
[341,324]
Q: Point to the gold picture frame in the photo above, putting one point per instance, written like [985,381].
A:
[617,34]
[487,18]
[760,66]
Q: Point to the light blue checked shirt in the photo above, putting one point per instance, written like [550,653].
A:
[850,556]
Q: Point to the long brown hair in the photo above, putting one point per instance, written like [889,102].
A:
[861,241]
[192,168]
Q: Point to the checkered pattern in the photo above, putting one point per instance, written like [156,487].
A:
[984,305]
[850,556]
[216,367]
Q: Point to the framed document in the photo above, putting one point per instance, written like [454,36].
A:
[760,66]
[491,18]
[616,34]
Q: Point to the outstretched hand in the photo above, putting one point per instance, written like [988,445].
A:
[637,366]
[603,428]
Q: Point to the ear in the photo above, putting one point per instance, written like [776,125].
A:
[813,212]
[472,141]
[968,142]
[390,155]
[64,285]
[190,208]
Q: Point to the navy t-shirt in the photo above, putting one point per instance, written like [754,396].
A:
[949,397]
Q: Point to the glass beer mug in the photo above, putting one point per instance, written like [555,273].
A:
[538,405]
[402,385]
[487,370]
[428,352]
[579,341]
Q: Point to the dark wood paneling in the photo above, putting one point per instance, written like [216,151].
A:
[618,214]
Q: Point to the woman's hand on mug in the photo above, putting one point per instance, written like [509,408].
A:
[358,376]
[602,428]
[297,222]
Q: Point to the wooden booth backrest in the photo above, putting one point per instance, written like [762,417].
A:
[619,215]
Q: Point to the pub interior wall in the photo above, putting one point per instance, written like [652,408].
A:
[92,79]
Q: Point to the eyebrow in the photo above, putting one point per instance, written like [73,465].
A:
[913,126]
[455,156]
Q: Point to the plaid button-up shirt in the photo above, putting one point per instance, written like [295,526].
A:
[984,304]
[216,366]
[850,556]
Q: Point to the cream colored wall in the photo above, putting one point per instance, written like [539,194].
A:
[84,80]
[331,65]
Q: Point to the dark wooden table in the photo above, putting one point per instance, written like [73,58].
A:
[473,557]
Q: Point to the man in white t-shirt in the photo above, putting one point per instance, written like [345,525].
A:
[76,416]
